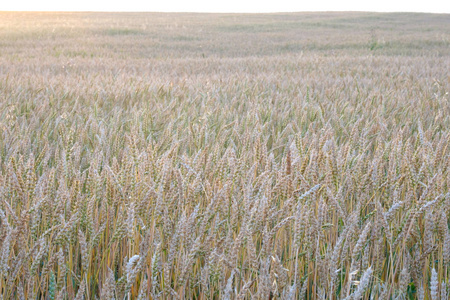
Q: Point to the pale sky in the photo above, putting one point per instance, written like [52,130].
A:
[435,6]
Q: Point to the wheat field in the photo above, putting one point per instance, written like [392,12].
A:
[224,156]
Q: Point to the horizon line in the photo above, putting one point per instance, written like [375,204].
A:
[224,12]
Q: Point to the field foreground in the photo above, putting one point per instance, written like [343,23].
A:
[197,156]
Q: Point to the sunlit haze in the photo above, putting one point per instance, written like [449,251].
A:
[434,6]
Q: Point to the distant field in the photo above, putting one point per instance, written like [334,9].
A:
[224,156]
